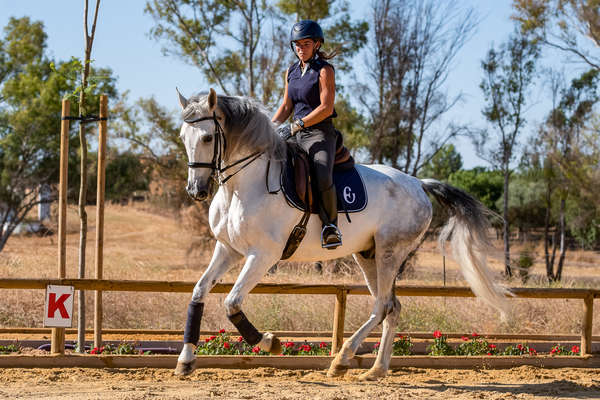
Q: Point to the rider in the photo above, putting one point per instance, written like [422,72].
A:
[310,94]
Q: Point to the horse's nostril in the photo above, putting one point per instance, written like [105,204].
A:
[203,194]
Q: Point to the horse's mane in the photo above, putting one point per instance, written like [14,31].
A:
[247,126]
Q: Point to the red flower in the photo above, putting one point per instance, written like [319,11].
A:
[437,334]
[489,354]
[492,346]
[101,350]
[377,345]
[222,331]
[322,345]
[474,334]
[400,336]
[466,339]
[519,346]
[207,340]
[553,350]
[255,349]
[226,345]
[306,348]
[94,351]
[240,339]
[532,351]
[289,344]
[575,349]
[212,338]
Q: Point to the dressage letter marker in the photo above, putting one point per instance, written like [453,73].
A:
[58,312]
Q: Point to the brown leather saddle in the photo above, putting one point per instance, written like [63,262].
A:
[302,171]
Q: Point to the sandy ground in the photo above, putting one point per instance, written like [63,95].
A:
[268,383]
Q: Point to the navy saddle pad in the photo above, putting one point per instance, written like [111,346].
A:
[350,188]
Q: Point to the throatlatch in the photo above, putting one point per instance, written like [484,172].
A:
[250,334]
[191,334]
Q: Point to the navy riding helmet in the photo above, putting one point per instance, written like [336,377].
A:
[306,29]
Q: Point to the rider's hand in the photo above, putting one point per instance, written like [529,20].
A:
[295,127]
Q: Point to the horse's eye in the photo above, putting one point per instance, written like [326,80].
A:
[207,139]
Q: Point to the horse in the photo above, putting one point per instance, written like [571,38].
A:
[231,142]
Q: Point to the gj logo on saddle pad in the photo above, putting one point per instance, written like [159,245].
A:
[58,312]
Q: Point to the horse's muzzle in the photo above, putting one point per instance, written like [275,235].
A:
[197,192]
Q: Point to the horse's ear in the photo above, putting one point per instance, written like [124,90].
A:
[212,100]
[183,102]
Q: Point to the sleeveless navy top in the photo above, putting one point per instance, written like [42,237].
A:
[304,90]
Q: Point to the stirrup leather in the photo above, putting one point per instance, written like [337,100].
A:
[331,245]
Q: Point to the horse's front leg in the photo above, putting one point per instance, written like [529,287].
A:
[223,258]
[255,267]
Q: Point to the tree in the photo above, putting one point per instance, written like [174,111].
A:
[443,164]
[485,185]
[508,77]
[255,62]
[562,148]
[31,87]
[561,24]
[414,44]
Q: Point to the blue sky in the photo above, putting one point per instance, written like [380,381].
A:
[122,43]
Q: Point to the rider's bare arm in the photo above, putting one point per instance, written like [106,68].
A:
[327,92]
[286,108]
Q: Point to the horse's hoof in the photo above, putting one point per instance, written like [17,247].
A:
[184,369]
[372,375]
[275,346]
[336,370]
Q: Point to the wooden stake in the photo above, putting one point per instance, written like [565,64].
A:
[100,218]
[58,334]
[586,331]
[338,321]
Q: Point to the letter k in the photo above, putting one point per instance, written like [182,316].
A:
[58,304]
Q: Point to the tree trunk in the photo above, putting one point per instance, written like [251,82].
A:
[549,265]
[563,247]
[507,269]
[89,40]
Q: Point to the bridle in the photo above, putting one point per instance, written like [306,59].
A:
[220,148]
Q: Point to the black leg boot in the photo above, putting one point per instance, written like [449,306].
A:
[331,237]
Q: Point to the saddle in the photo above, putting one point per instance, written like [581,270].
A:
[299,175]
[298,185]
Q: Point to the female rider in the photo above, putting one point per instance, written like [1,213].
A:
[310,94]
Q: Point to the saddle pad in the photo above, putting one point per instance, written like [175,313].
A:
[350,188]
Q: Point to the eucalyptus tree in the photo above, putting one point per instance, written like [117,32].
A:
[561,145]
[243,46]
[570,26]
[412,48]
[508,77]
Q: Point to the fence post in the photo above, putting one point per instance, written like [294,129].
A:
[338,321]
[586,331]
[58,334]
[100,218]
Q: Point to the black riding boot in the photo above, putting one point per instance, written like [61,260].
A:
[330,235]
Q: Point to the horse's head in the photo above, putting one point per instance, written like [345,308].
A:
[201,139]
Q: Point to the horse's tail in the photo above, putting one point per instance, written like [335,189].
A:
[467,229]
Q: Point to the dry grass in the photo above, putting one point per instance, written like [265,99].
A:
[144,245]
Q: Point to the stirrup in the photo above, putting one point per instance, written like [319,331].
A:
[331,245]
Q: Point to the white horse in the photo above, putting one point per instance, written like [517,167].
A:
[230,140]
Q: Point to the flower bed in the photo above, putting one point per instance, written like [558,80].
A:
[474,345]
[224,344]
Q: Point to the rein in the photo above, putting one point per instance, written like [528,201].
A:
[217,161]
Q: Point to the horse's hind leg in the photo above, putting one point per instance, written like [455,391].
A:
[223,258]
[341,362]
[387,269]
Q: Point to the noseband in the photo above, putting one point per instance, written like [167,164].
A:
[219,149]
